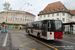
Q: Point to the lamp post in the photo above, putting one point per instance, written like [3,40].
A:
[6,20]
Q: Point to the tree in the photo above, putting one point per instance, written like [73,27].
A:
[6,6]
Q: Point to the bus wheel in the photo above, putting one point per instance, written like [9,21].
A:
[28,33]
[38,35]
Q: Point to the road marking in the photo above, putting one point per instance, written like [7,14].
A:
[22,45]
[67,42]
[43,43]
[4,44]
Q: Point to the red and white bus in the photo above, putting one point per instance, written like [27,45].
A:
[46,29]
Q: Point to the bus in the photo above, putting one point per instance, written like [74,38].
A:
[46,29]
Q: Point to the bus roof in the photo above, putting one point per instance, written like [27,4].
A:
[45,20]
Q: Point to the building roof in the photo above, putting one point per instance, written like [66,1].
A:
[17,11]
[56,6]
[72,11]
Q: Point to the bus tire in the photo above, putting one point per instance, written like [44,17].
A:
[38,35]
[28,33]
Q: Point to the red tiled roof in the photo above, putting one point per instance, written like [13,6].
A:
[54,5]
[72,11]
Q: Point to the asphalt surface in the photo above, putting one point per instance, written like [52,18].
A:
[64,44]
[23,41]
[5,44]
[19,40]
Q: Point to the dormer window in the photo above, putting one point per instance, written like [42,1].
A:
[58,9]
[48,10]
[63,9]
[44,11]
[41,12]
[53,9]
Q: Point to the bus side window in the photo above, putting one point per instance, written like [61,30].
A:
[49,26]
[43,26]
[40,25]
[52,26]
[37,26]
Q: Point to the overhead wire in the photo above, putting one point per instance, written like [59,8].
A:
[23,5]
[28,4]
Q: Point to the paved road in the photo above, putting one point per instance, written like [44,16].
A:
[23,41]
[5,41]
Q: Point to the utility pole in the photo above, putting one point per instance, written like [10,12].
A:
[6,20]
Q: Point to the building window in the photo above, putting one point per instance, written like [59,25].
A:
[40,16]
[48,15]
[63,9]
[48,10]
[21,19]
[63,14]
[11,15]
[44,16]
[44,11]
[26,13]
[58,9]
[25,16]
[41,12]
[52,15]
[57,14]
[18,18]
[57,18]
[63,19]
[25,19]
[53,9]
[11,18]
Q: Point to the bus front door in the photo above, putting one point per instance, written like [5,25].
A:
[44,29]
[31,30]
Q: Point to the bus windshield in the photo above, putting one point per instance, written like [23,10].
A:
[58,25]
[54,25]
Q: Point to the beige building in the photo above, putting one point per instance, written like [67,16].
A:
[16,17]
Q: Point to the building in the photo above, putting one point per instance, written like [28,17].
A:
[16,17]
[57,11]
[73,15]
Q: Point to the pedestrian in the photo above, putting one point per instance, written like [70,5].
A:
[0,27]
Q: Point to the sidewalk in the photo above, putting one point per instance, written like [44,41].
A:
[70,36]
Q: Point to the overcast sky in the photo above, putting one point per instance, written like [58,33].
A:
[35,6]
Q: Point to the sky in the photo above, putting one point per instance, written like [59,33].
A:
[35,6]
